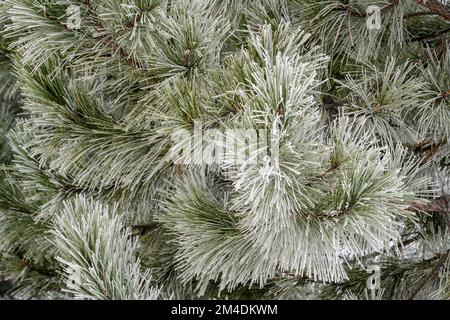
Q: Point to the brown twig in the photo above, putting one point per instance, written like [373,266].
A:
[109,42]
[431,36]
[436,6]
[419,14]
[439,263]
[427,148]
[356,13]
[438,206]
[145,228]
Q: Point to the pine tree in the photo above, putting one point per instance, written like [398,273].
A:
[273,149]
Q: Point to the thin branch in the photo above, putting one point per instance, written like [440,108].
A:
[145,228]
[419,14]
[356,13]
[427,149]
[436,6]
[107,39]
[390,6]
[438,206]
[434,271]
[431,37]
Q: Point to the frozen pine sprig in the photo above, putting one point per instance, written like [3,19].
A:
[97,254]
[384,96]
[207,238]
[433,112]
[342,160]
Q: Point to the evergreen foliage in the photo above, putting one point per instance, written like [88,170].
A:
[101,102]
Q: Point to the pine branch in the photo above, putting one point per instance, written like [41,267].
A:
[141,229]
[419,14]
[431,37]
[33,267]
[108,39]
[427,149]
[391,5]
[98,139]
[437,7]
[361,14]
[438,206]
[431,275]
[98,254]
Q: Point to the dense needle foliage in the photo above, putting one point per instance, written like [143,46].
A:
[102,100]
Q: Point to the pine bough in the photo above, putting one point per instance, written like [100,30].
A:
[118,127]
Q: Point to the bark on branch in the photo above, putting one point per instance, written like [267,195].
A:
[439,206]
[436,6]
[431,275]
